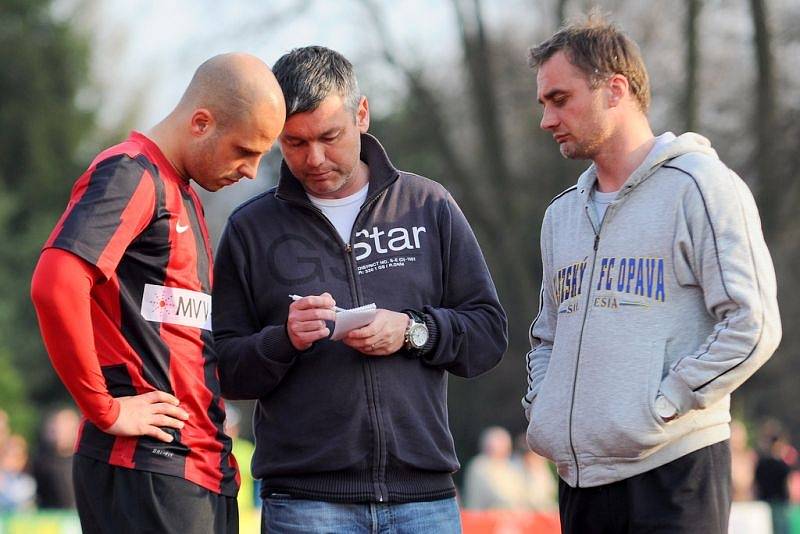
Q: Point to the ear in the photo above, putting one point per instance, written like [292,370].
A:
[618,89]
[362,115]
[202,122]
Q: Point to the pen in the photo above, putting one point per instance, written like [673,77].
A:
[298,297]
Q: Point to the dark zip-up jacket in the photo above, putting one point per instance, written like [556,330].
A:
[331,423]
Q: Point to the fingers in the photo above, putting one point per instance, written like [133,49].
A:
[160,396]
[157,433]
[306,321]
[308,326]
[314,301]
[364,332]
[312,314]
[373,345]
[164,420]
[303,340]
[142,415]
[170,410]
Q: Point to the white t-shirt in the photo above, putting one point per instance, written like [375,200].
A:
[601,202]
[341,212]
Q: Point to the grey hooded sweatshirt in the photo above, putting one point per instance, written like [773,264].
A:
[672,294]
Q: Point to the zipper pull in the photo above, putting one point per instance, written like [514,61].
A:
[349,249]
[596,241]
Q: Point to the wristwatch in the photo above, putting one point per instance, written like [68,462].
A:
[665,409]
[416,332]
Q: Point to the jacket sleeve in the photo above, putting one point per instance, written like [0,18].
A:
[470,324]
[543,327]
[253,359]
[719,247]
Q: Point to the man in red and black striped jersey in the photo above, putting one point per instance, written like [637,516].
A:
[122,292]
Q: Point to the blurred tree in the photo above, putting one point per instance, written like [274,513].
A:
[43,66]
[768,189]
[690,101]
[476,131]
[471,122]
[479,137]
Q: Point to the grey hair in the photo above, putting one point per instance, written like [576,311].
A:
[310,74]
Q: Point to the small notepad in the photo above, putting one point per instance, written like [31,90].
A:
[347,320]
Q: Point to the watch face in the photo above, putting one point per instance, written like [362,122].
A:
[418,335]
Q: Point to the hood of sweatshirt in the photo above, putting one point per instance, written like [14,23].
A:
[667,147]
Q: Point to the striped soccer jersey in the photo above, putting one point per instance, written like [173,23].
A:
[133,217]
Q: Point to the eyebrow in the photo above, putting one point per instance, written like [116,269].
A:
[330,131]
[249,150]
[327,133]
[551,94]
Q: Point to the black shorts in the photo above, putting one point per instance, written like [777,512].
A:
[689,495]
[116,500]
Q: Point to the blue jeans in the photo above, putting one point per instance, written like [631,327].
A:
[296,516]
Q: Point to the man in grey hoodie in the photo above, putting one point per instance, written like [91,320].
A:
[658,300]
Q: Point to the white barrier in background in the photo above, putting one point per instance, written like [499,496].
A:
[750,518]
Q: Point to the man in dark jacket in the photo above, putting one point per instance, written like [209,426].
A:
[350,432]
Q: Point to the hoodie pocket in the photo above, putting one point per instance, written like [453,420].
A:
[614,415]
[546,431]
[656,376]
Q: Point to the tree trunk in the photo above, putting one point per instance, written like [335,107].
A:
[768,192]
[690,103]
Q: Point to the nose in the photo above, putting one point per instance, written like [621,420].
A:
[249,169]
[549,119]
[315,155]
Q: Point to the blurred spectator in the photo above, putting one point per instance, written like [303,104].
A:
[243,449]
[491,480]
[743,463]
[17,488]
[540,487]
[52,463]
[772,474]
[794,486]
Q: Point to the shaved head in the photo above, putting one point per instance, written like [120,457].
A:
[233,86]
[230,115]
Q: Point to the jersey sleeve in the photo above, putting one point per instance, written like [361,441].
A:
[60,290]
[110,205]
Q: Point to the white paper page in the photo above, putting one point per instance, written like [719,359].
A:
[347,320]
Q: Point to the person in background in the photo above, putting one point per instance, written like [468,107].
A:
[243,450]
[52,461]
[540,486]
[743,463]
[772,473]
[17,487]
[491,479]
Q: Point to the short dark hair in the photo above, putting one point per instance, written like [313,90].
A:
[600,50]
[310,74]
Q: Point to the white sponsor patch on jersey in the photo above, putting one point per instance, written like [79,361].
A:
[174,305]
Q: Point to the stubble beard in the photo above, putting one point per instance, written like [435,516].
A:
[586,149]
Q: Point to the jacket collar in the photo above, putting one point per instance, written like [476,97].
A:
[381,173]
